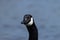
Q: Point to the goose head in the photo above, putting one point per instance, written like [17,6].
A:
[27,20]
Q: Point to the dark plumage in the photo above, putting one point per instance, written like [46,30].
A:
[31,27]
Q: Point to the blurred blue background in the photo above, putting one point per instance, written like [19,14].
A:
[45,12]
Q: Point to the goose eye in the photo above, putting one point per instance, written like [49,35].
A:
[27,18]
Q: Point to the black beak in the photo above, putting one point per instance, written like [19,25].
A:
[22,22]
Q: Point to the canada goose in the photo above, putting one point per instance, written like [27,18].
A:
[28,21]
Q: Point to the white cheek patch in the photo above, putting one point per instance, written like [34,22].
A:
[31,22]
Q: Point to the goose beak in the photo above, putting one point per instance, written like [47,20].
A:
[22,22]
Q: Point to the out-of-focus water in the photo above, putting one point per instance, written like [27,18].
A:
[45,12]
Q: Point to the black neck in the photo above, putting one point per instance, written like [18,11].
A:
[33,32]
